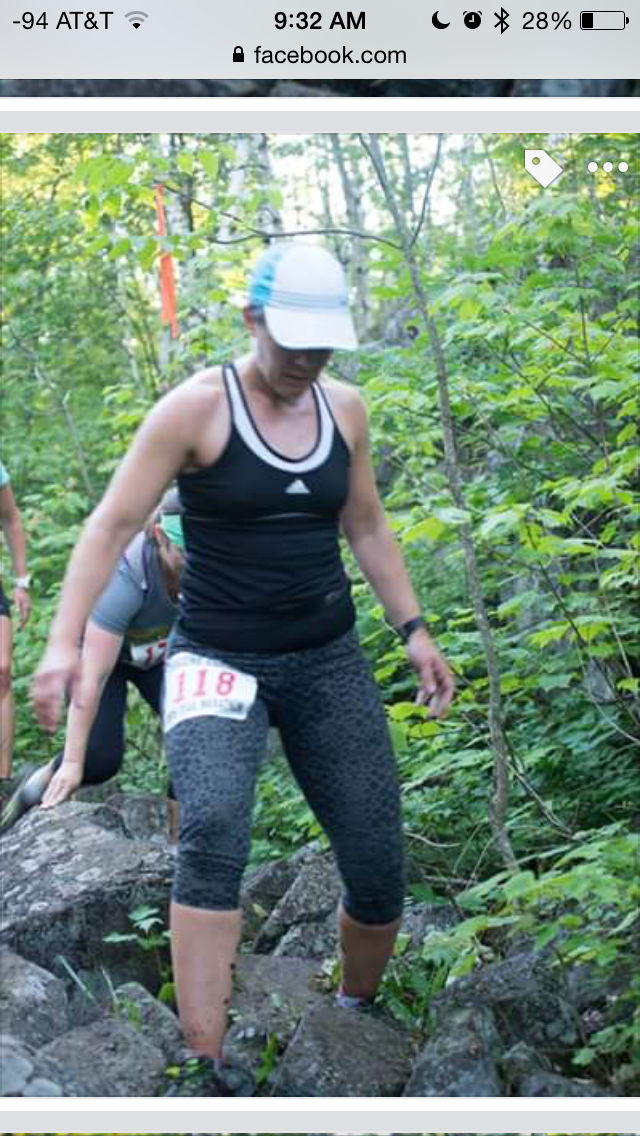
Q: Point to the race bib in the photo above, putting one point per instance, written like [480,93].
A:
[196,686]
[146,655]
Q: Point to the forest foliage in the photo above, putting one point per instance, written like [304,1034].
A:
[499,361]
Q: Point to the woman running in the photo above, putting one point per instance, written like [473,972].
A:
[272,462]
[124,642]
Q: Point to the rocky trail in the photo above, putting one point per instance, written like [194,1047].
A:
[81,1017]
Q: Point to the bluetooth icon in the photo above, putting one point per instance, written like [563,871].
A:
[502,19]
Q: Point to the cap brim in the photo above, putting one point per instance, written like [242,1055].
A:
[307,330]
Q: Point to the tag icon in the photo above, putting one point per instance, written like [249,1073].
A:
[542,167]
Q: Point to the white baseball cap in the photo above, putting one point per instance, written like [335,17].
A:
[302,290]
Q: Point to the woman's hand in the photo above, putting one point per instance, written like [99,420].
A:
[63,784]
[437,684]
[22,600]
[58,677]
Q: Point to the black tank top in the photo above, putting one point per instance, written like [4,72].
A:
[263,569]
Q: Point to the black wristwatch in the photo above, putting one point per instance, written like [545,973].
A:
[406,630]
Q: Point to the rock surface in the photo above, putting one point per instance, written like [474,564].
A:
[33,1003]
[151,1019]
[73,875]
[314,893]
[93,1026]
[525,996]
[24,1073]
[553,1085]
[111,1058]
[344,1053]
[461,1059]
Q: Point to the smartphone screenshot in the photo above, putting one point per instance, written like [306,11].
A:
[319,667]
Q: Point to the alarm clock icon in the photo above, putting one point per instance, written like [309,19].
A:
[472,19]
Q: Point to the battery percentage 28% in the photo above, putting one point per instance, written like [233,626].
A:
[542,20]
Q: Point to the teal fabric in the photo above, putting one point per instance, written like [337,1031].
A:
[4,476]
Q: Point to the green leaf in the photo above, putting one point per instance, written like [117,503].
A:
[431,527]
[398,737]
[210,163]
[185,162]
[502,521]
[519,884]
[453,516]
[399,711]
[551,634]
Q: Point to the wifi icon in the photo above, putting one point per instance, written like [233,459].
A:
[137,18]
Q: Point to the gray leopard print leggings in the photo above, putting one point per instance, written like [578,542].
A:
[332,723]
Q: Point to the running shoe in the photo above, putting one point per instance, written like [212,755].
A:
[28,792]
[199,1077]
[352,1002]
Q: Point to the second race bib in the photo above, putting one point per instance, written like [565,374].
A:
[196,686]
[145,655]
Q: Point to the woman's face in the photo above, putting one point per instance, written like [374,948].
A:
[287,372]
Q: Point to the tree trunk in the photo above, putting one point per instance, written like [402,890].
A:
[358,258]
[501,782]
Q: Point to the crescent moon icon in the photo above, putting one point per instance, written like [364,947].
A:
[436,22]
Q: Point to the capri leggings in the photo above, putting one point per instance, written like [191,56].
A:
[105,747]
[333,727]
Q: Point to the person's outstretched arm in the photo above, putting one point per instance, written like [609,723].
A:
[165,443]
[100,652]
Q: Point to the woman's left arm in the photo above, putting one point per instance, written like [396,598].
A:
[375,548]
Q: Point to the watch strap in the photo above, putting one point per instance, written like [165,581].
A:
[406,630]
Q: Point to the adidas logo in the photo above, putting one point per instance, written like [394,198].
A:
[297,486]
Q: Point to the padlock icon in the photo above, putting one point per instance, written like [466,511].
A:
[238,55]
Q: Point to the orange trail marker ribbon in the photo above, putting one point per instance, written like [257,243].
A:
[167,277]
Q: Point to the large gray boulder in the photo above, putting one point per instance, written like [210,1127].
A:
[33,1003]
[152,1019]
[270,997]
[313,895]
[25,1073]
[262,889]
[70,877]
[553,1085]
[315,940]
[275,992]
[144,815]
[344,1053]
[525,995]
[461,1060]
[110,1058]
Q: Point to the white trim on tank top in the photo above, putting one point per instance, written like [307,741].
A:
[249,434]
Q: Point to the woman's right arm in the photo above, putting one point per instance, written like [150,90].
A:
[164,444]
[100,652]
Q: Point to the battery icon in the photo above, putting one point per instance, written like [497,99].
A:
[603,21]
